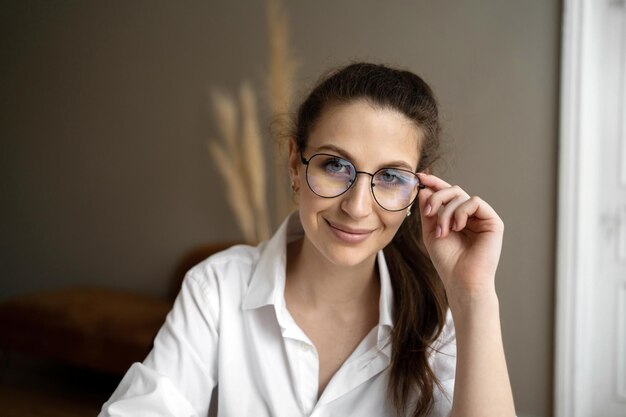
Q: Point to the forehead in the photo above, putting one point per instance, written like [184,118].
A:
[369,134]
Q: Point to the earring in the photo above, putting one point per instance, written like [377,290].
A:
[408,213]
[294,188]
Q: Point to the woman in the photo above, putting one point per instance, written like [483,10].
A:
[375,298]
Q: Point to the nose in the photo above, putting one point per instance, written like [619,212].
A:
[358,201]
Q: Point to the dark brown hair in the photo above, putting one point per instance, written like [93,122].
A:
[419,298]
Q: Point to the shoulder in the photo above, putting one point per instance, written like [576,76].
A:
[234,265]
[443,357]
[443,364]
[244,269]
[218,284]
[448,334]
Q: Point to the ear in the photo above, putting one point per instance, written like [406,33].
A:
[294,161]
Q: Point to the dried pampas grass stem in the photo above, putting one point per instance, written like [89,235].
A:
[253,158]
[235,191]
[239,154]
[280,81]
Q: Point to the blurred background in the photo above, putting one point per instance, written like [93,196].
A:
[105,116]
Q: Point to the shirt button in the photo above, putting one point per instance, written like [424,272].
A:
[304,347]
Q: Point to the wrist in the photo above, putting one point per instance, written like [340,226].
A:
[465,302]
[476,315]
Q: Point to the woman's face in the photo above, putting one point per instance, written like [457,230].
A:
[350,229]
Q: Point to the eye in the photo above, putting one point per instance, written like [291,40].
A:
[334,165]
[395,178]
[387,176]
[391,176]
[338,166]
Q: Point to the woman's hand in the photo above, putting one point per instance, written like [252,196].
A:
[463,236]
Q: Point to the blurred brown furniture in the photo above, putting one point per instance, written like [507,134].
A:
[95,328]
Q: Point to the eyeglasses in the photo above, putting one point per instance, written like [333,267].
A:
[329,176]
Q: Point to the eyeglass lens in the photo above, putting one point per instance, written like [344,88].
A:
[330,176]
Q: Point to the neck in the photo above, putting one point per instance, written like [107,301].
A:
[313,280]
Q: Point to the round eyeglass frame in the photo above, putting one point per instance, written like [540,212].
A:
[305,162]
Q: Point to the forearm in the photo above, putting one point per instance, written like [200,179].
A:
[482,386]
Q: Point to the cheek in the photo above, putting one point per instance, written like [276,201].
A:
[393,221]
[310,203]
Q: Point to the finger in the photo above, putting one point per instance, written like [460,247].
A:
[441,198]
[447,216]
[433,182]
[477,209]
[423,196]
[436,194]
[429,224]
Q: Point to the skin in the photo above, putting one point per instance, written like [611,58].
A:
[353,131]
[332,287]
[463,236]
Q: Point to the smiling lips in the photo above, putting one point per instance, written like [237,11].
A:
[347,234]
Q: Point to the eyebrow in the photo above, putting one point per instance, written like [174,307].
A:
[345,154]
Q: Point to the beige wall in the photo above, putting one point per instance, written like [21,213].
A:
[104,118]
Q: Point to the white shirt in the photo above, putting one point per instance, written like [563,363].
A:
[229,327]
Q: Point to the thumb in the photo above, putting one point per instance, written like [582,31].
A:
[429,223]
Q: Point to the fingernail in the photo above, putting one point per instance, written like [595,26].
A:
[438,231]
[427,209]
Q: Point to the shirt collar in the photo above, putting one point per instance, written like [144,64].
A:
[267,285]
[386,293]
[385,306]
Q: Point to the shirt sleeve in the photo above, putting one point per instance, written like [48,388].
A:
[180,373]
[443,363]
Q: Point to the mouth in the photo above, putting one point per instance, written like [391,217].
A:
[349,234]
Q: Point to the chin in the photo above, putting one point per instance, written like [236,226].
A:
[346,259]
[344,254]
[347,247]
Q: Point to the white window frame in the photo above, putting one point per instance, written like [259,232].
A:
[578,208]
[575,237]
